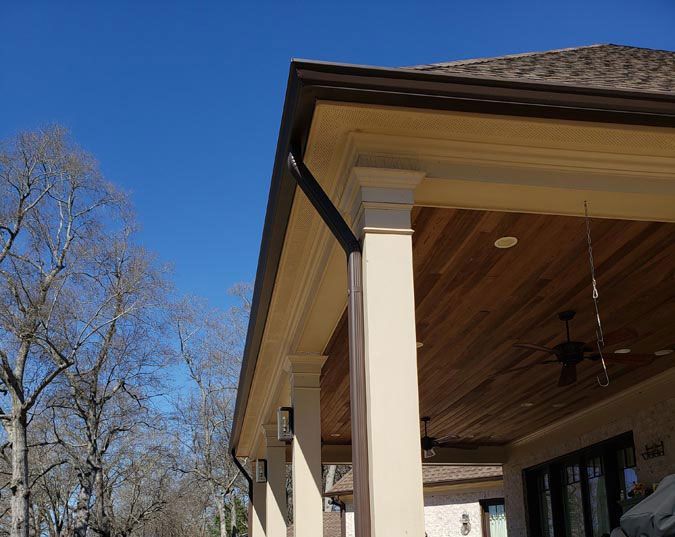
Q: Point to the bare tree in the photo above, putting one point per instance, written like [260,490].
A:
[115,374]
[54,210]
[210,345]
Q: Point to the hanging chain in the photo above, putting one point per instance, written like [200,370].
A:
[599,336]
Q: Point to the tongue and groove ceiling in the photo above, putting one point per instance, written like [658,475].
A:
[474,301]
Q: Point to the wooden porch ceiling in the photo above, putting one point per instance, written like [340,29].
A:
[474,301]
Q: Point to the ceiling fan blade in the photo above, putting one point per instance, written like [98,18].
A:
[568,375]
[629,359]
[533,347]
[446,438]
[619,336]
[457,445]
[528,366]
[514,369]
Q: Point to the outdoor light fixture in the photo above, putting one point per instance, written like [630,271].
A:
[260,471]
[285,424]
[466,524]
[506,242]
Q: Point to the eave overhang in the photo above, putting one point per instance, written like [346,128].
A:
[310,82]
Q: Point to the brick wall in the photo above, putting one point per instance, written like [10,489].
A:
[649,425]
[443,513]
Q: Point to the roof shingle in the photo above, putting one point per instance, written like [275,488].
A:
[600,66]
[432,474]
[332,525]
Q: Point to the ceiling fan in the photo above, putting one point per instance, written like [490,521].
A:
[570,353]
[429,443]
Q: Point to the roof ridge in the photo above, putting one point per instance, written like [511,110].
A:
[469,61]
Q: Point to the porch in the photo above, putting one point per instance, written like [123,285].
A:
[433,196]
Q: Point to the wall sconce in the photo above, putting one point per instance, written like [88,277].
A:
[654,450]
[285,424]
[466,525]
[260,471]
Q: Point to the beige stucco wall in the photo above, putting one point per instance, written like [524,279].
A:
[650,425]
[443,513]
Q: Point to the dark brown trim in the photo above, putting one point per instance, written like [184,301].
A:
[310,81]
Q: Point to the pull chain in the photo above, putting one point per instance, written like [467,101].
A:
[599,336]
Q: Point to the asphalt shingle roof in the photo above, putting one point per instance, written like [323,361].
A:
[431,475]
[601,66]
[332,525]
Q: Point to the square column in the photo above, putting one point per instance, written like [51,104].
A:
[256,509]
[276,507]
[305,373]
[381,206]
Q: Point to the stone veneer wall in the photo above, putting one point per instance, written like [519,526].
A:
[443,513]
[650,425]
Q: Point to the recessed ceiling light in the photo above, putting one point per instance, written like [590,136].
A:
[621,351]
[558,405]
[527,405]
[419,344]
[336,435]
[506,242]
[663,352]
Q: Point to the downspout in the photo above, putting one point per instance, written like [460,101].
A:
[243,471]
[352,247]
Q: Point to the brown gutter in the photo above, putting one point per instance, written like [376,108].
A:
[311,81]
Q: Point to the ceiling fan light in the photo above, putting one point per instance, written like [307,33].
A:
[419,344]
[663,352]
[506,242]
[429,453]
[622,351]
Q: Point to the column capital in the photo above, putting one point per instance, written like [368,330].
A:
[380,199]
[305,369]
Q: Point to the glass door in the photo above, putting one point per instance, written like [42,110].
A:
[581,494]
[573,500]
[597,496]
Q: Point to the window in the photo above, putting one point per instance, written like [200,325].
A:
[494,518]
[578,495]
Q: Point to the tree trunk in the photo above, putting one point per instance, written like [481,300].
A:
[104,526]
[20,502]
[221,517]
[233,518]
[82,508]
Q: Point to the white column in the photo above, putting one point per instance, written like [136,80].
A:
[256,513]
[382,217]
[275,506]
[305,371]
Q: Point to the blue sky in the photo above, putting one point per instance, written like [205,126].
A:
[181,102]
